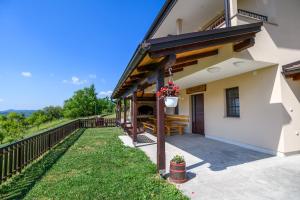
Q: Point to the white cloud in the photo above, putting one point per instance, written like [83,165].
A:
[26,74]
[75,81]
[1,100]
[105,93]
[93,76]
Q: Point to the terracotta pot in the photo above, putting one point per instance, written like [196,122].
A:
[177,172]
[171,102]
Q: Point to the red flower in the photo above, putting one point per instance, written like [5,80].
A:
[170,82]
[168,90]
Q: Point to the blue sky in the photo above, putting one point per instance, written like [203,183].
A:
[51,48]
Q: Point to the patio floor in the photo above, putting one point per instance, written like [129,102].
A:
[223,171]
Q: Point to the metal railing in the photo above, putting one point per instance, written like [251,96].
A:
[219,20]
[216,22]
[17,155]
[253,15]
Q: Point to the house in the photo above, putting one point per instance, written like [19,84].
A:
[237,63]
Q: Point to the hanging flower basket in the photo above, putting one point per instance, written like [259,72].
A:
[171,102]
[170,94]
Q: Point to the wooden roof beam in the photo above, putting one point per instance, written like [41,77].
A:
[184,60]
[244,45]
[146,98]
[174,71]
[296,77]
[150,67]
[200,45]
[180,67]
[137,76]
[197,56]
[186,64]
[151,77]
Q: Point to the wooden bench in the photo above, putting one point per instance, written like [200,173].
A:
[169,127]
[177,118]
[149,125]
[174,128]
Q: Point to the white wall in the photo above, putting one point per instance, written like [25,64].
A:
[261,122]
[270,108]
[280,44]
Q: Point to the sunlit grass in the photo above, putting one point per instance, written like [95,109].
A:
[98,166]
[46,126]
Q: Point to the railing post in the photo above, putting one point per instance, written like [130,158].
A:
[5,155]
[15,159]
[10,154]
[1,165]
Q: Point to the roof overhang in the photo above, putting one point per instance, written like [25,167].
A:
[163,13]
[188,48]
[292,70]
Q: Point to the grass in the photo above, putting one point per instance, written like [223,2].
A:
[98,166]
[113,115]
[35,130]
[47,126]
[20,185]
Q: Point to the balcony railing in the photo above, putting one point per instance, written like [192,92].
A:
[16,156]
[216,22]
[252,15]
[219,20]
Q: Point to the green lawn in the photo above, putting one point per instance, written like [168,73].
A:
[47,126]
[96,166]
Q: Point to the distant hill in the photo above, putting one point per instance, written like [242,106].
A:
[25,112]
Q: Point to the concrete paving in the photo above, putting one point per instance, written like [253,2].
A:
[219,170]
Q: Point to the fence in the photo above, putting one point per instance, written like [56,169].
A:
[16,156]
[97,122]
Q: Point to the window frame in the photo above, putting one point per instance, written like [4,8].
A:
[232,109]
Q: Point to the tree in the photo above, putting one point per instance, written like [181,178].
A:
[53,112]
[105,105]
[82,104]
[37,118]
[13,125]
[2,136]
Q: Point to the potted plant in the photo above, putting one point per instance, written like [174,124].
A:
[177,169]
[170,94]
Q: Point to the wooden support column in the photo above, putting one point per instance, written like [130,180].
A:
[134,117]
[161,154]
[116,110]
[119,112]
[125,112]
[160,105]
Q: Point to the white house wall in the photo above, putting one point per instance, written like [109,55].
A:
[280,44]
[270,108]
[261,123]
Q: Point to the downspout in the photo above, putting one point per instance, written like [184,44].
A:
[227,13]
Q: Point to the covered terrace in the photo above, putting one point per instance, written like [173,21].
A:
[149,67]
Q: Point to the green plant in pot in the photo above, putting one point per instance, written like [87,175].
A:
[177,169]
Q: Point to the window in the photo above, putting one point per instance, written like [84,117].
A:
[232,102]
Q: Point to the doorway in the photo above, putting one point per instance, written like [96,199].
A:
[198,114]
